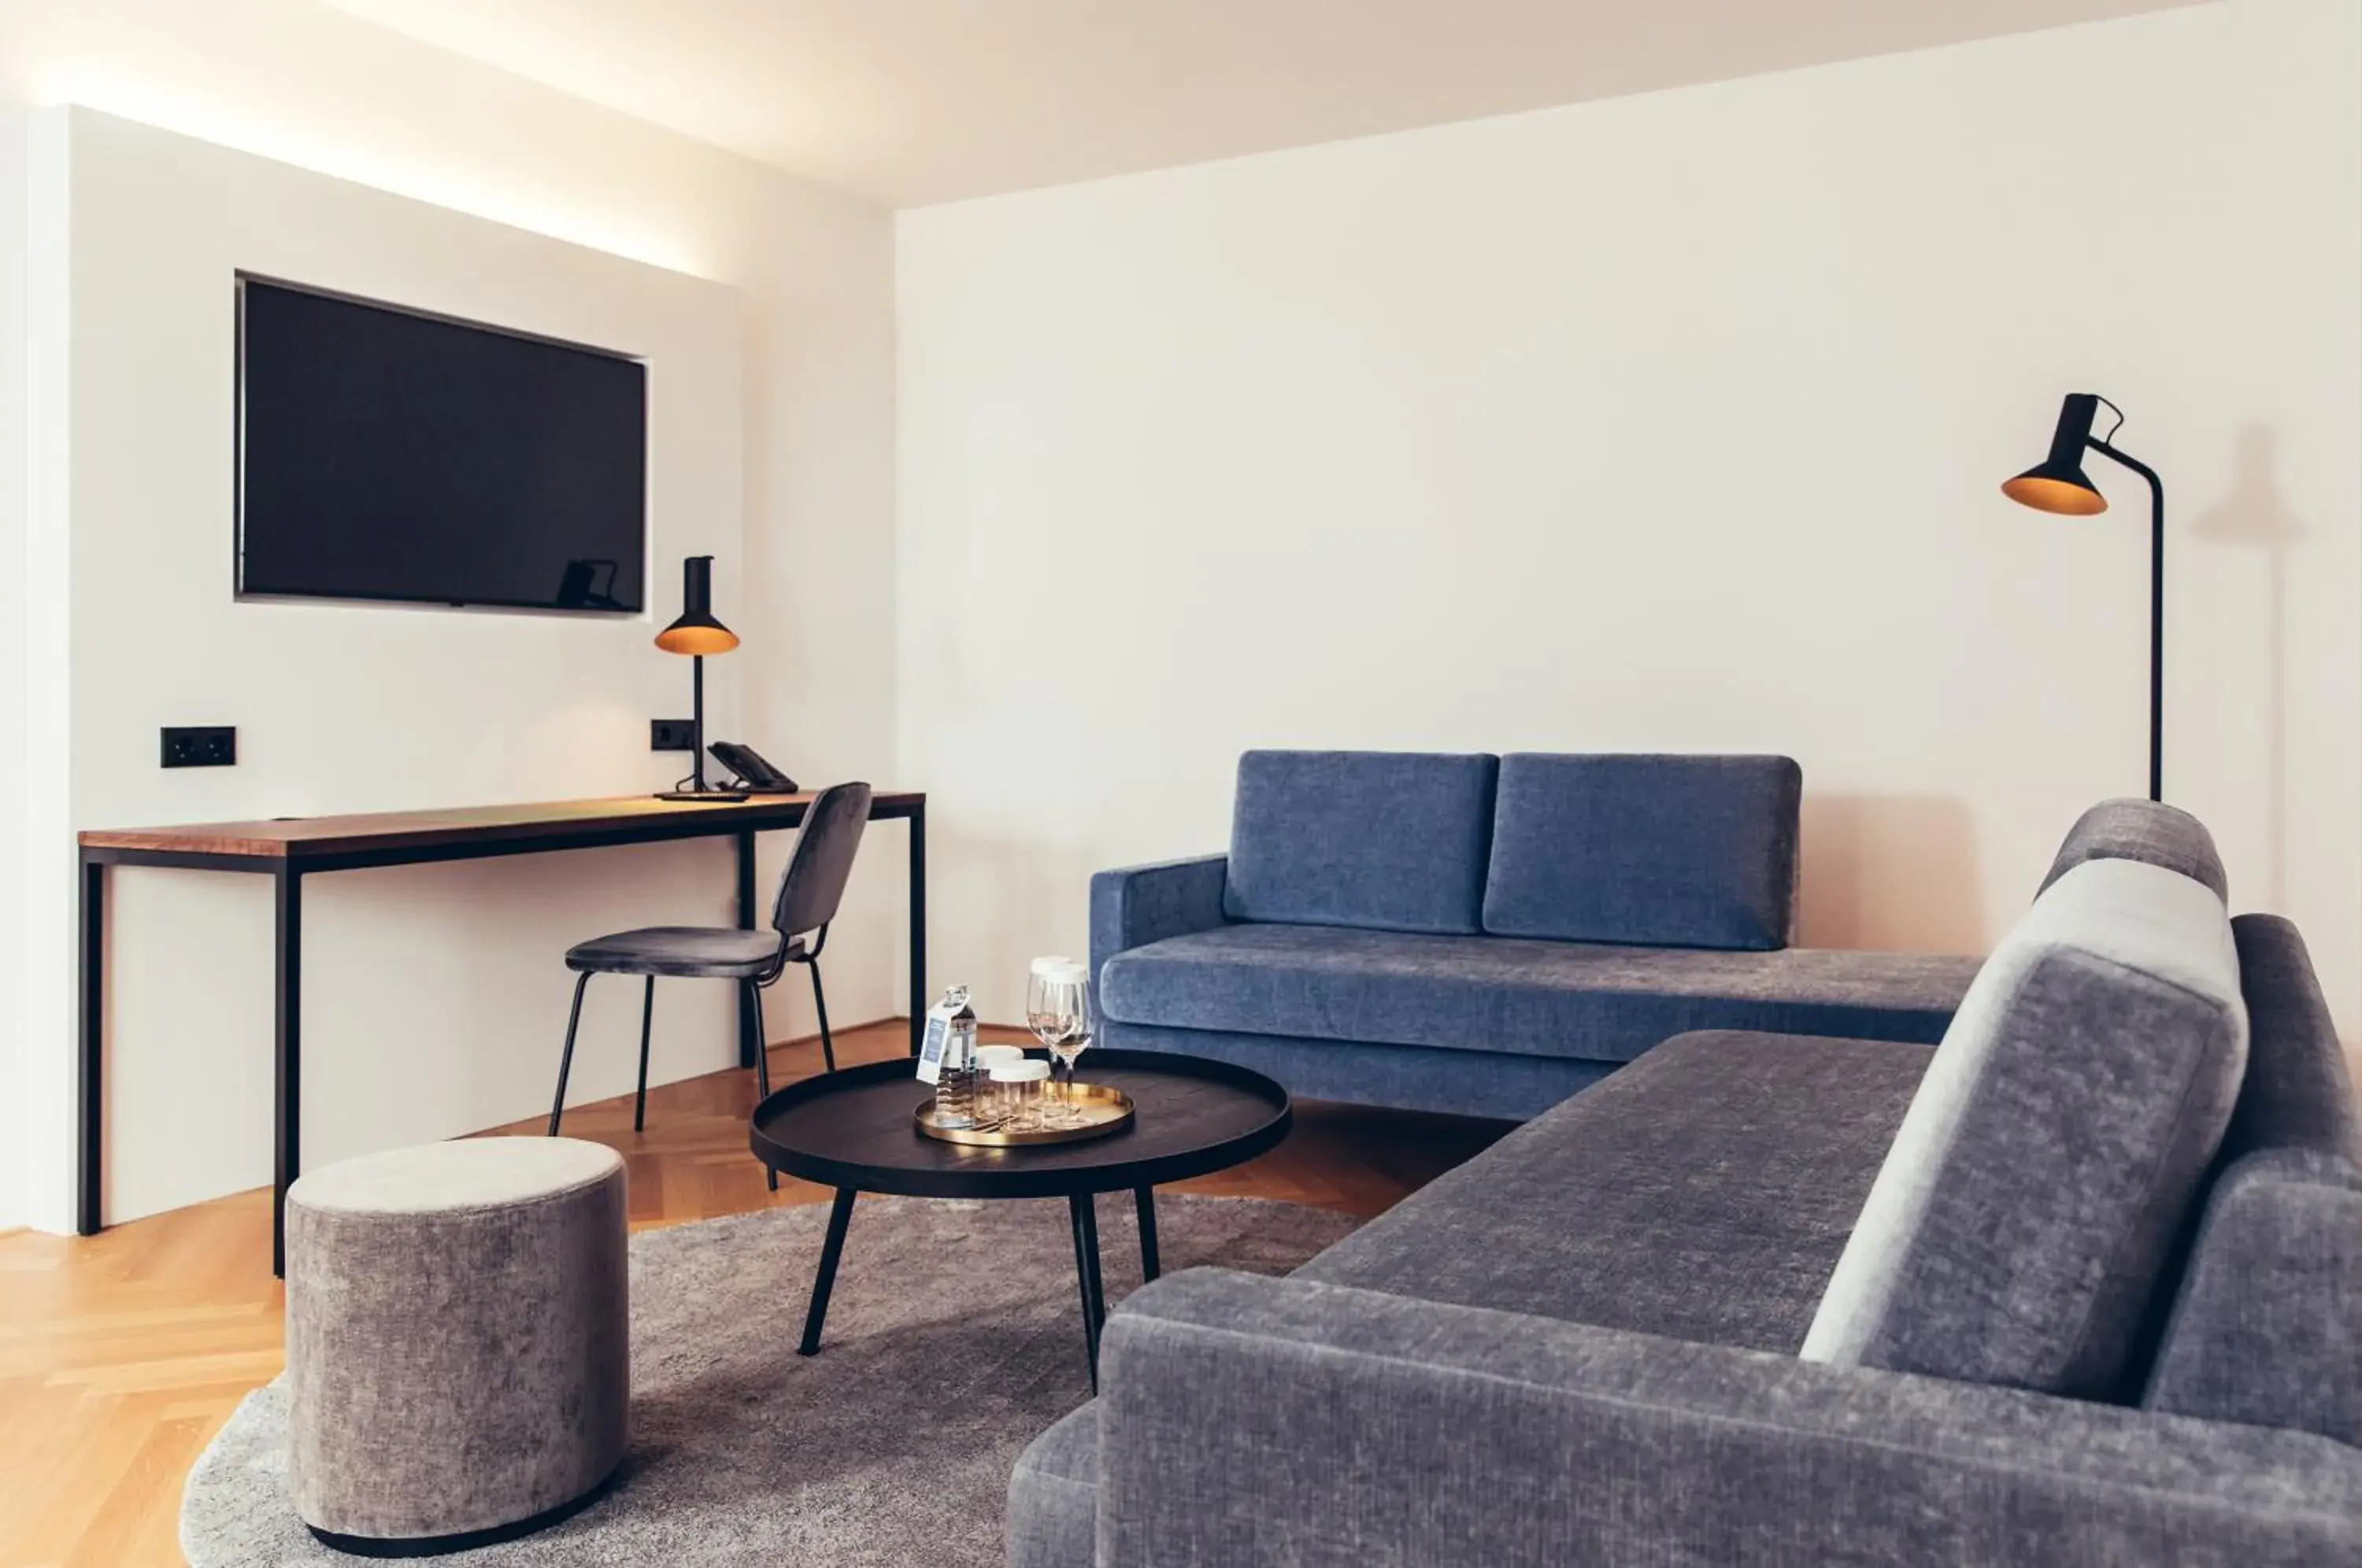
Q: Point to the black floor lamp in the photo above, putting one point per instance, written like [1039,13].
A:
[2059,484]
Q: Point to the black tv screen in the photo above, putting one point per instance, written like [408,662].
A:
[385,454]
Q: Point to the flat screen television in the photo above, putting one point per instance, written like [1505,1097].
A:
[387,454]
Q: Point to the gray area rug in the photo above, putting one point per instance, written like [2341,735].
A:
[955,1336]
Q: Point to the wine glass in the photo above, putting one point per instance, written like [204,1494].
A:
[1074,987]
[1058,1011]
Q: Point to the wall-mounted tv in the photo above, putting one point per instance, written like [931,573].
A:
[388,454]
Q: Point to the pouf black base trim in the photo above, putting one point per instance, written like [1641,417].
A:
[464,1541]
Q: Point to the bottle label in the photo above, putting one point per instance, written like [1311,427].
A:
[931,1046]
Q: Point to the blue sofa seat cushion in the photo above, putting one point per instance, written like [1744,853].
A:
[1384,841]
[1661,851]
[1500,1086]
[1493,993]
[1703,1193]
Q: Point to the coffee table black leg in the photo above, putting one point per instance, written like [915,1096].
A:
[840,1214]
[1086,1274]
[1145,1198]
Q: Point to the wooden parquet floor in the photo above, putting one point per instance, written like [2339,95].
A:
[122,1353]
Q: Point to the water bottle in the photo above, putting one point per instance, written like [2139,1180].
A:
[955,1078]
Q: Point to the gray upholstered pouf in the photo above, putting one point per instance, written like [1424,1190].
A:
[457,1341]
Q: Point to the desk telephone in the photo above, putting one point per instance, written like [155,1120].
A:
[753,773]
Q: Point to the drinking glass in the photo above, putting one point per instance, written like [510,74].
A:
[991,1091]
[1019,1084]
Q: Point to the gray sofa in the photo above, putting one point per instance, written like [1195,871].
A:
[1486,935]
[2082,1285]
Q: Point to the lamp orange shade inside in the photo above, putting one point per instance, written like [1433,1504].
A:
[692,639]
[2045,494]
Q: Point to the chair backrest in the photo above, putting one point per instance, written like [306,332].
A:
[813,884]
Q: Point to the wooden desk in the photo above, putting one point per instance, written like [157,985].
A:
[289,849]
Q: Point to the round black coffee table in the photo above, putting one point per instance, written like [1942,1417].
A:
[851,1129]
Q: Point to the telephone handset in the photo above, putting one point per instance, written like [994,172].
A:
[755,775]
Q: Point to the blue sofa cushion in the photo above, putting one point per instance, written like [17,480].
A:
[2267,1326]
[1702,1193]
[1500,1086]
[1500,993]
[1383,841]
[2146,831]
[1662,851]
[1053,1496]
[2025,1217]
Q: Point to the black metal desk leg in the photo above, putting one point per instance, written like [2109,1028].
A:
[919,999]
[1145,1199]
[747,1029]
[1080,1205]
[90,1099]
[287,1028]
[840,1214]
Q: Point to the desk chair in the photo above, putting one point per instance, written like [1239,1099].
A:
[809,890]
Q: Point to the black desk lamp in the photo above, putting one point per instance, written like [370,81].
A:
[696,633]
[2059,484]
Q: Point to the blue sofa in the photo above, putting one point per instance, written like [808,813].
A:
[1486,935]
[2081,1285]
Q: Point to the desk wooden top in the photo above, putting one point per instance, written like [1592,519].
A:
[303,838]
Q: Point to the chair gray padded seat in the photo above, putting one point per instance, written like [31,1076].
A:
[457,1341]
[692,952]
[1702,1193]
[1591,1000]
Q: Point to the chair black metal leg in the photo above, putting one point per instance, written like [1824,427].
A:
[840,1214]
[1080,1209]
[748,1040]
[819,1004]
[566,1058]
[761,1060]
[1144,1198]
[647,1017]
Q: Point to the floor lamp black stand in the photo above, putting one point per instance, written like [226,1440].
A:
[2057,484]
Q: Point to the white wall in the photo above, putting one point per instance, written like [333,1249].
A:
[433,995]
[13,483]
[1668,423]
[428,1005]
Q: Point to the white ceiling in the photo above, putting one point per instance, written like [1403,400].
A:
[910,102]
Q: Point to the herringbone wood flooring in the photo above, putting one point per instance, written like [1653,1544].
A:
[121,1354]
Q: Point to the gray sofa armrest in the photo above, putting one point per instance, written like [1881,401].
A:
[1246,1420]
[1141,904]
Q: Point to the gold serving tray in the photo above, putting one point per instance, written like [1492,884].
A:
[1105,1110]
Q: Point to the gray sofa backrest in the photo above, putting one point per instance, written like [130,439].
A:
[1655,851]
[2146,831]
[1384,841]
[2266,1327]
[2021,1225]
